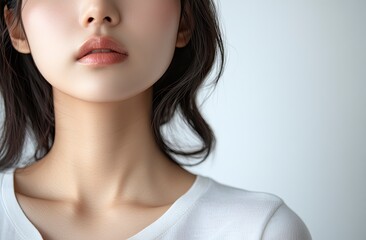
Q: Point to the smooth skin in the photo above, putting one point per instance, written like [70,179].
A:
[105,177]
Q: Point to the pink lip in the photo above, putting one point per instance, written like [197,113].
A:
[117,52]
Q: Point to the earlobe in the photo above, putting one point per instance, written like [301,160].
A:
[185,28]
[183,38]
[16,32]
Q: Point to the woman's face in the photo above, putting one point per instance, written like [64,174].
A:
[146,29]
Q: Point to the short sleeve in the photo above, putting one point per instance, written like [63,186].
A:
[285,225]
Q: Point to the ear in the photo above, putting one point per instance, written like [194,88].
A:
[16,32]
[185,27]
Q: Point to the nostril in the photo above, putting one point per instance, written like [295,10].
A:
[91,19]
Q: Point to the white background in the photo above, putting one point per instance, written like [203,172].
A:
[290,110]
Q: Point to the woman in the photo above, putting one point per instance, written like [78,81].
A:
[96,81]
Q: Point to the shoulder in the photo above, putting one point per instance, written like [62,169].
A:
[7,227]
[263,214]
[285,224]
[241,199]
[3,174]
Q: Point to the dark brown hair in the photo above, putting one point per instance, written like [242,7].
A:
[28,99]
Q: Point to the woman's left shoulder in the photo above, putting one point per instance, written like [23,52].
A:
[285,224]
[268,211]
[241,197]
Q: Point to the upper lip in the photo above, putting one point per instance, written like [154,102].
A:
[96,42]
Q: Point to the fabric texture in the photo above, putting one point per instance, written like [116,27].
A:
[209,210]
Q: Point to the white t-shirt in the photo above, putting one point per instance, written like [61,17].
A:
[209,210]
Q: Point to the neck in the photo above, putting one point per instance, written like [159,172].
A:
[105,153]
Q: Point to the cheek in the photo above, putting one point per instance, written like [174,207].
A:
[154,26]
[158,18]
[47,18]
[46,26]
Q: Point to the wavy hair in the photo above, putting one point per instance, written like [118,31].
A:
[28,98]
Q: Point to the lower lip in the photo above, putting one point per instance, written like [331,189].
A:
[102,59]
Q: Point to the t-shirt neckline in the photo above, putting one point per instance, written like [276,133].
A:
[182,205]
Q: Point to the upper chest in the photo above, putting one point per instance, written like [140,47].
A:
[56,221]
